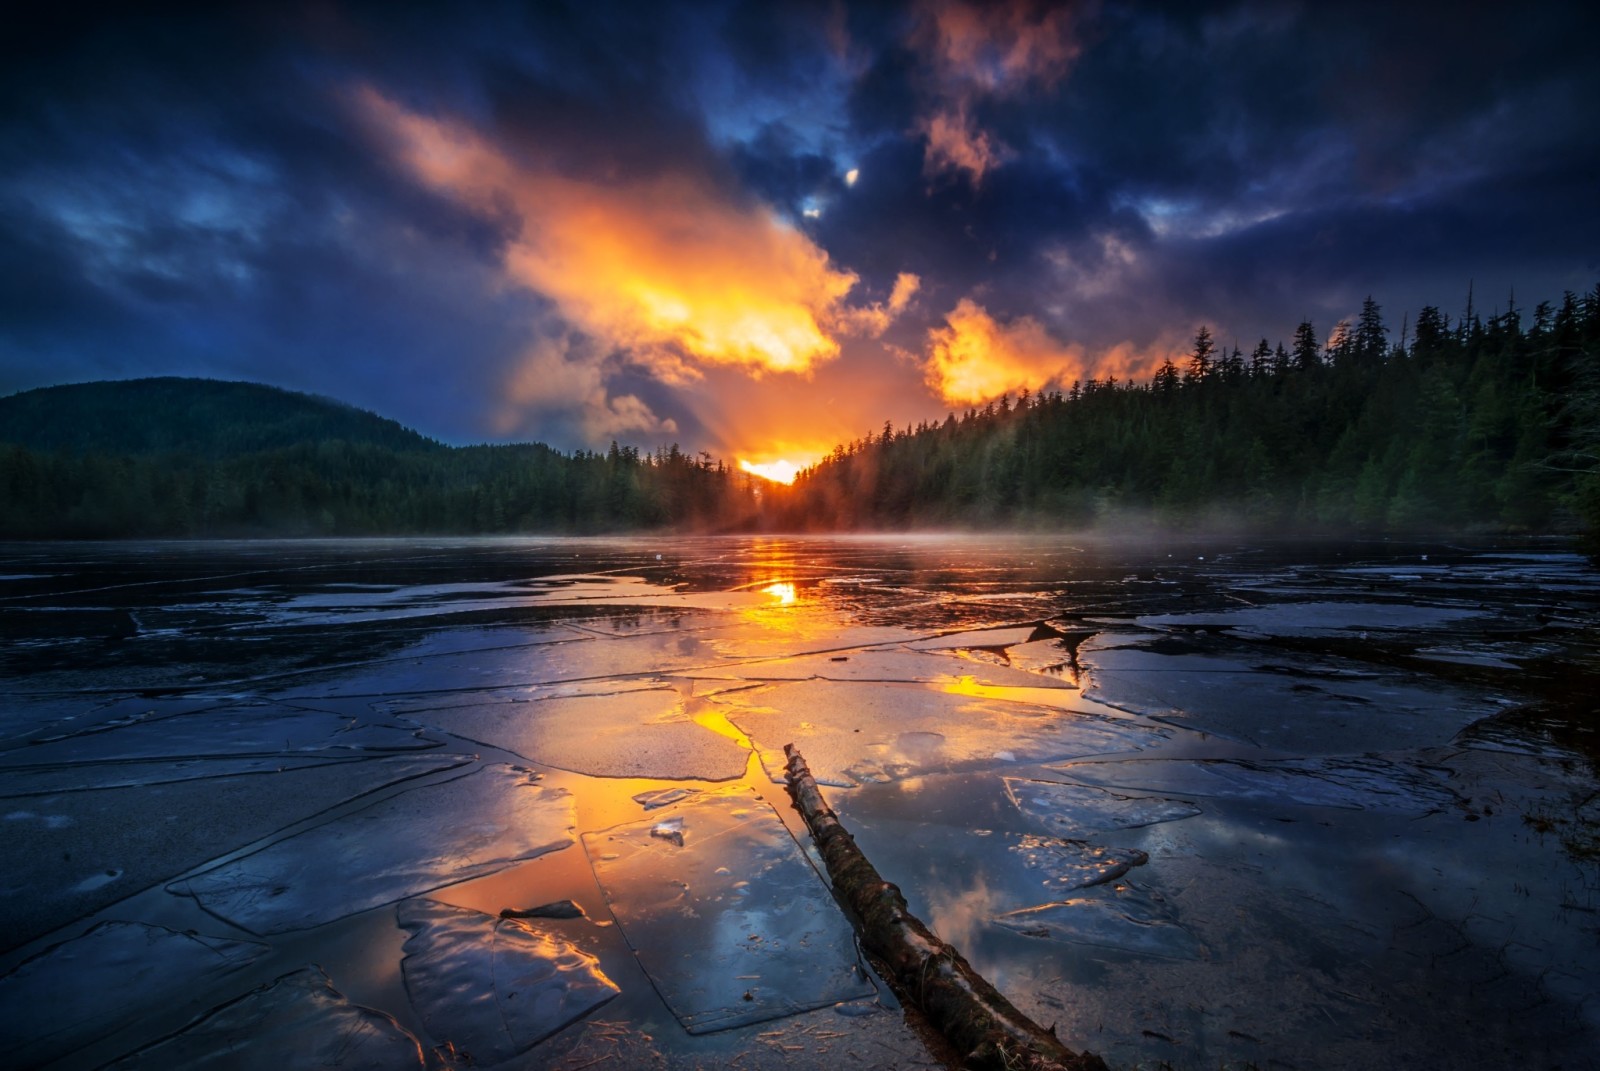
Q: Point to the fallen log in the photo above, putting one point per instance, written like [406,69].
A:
[973,1015]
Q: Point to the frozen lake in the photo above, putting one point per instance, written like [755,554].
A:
[1203,803]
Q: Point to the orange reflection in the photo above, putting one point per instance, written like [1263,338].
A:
[783,591]
[718,723]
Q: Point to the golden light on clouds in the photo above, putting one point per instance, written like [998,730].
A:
[678,273]
[974,358]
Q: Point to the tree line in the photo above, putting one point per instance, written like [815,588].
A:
[1488,423]
[1480,423]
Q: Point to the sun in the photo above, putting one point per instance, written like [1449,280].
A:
[776,471]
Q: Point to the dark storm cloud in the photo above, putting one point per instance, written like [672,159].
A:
[201,192]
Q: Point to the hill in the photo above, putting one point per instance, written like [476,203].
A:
[207,418]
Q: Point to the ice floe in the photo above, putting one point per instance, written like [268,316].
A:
[81,990]
[630,734]
[1360,782]
[1075,810]
[726,916]
[494,987]
[298,1021]
[420,839]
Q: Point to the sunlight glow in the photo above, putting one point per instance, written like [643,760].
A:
[783,591]
[776,471]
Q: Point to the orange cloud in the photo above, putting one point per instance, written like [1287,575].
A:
[667,267]
[974,358]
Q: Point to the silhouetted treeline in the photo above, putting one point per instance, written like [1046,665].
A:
[1475,423]
[186,458]
[1479,423]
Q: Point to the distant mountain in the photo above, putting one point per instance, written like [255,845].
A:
[197,417]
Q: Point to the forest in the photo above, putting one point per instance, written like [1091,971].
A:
[1482,423]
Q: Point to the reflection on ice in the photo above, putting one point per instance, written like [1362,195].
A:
[298,1021]
[1124,918]
[113,976]
[631,734]
[1074,810]
[493,987]
[853,733]
[725,914]
[1362,783]
[1075,864]
[420,839]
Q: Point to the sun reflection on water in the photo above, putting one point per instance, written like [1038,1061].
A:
[783,591]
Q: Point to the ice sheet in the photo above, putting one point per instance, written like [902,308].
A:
[1319,618]
[1074,810]
[81,990]
[728,919]
[630,734]
[1309,706]
[493,987]
[1361,783]
[424,838]
[232,731]
[298,1021]
[851,733]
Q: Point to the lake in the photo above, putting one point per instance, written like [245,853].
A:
[1198,803]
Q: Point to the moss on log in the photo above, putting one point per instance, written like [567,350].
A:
[973,1015]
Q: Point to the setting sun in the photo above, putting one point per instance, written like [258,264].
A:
[776,471]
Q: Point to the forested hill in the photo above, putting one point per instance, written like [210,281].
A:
[204,417]
[1476,423]
[1488,423]
[193,457]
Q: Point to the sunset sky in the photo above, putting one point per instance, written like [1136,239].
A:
[760,229]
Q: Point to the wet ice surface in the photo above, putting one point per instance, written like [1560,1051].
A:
[430,835]
[494,987]
[727,917]
[114,975]
[300,1020]
[1201,804]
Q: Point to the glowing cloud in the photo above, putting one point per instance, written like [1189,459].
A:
[665,266]
[973,358]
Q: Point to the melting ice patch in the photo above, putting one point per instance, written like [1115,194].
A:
[493,987]
[298,1021]
[730,922]
[420,839]
[81,990]
[1081,809]
[1360,783]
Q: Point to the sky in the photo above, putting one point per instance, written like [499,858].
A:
[762,229]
